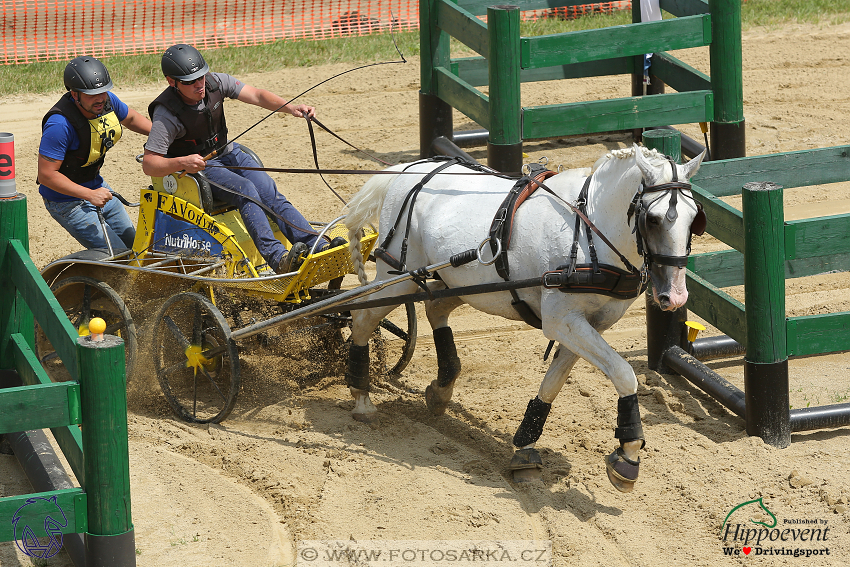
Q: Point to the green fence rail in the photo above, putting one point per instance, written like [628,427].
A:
[506,60]
[811,246]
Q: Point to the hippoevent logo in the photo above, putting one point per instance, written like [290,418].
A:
[38,529]
[747,536]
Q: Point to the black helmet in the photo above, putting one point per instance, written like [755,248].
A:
[184,63]
[87,75]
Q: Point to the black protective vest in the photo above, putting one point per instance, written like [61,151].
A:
[206,130]
[74,165]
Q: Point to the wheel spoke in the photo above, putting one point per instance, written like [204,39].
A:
[198,326]
[214,385]
[176,332]
[394,329]
[120,325]
[85,311]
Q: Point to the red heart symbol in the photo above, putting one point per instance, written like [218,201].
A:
[747,550]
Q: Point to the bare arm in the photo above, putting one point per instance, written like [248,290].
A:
[157,165]
[270,101]
[48,175]
[137,123]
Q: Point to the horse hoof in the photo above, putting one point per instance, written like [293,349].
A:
[526,459]
[622,471]
[365,417]
[526,465]
[527,475]
[436,403]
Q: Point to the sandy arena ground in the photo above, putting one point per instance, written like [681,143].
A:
[290,464]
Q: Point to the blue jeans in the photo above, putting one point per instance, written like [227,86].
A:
[259,186]
[79,218]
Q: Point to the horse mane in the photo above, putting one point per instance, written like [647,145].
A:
[610,159]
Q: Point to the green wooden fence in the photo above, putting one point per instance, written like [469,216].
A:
[811,246]
[95,397]
[506,60]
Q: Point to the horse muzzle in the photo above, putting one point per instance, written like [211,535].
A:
[669,289]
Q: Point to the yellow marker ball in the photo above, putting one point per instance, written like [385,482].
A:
[97,326]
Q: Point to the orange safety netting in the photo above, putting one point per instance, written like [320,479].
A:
[46,30]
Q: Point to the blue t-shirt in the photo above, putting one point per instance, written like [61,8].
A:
[58,137]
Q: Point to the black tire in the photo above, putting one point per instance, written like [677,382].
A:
[83,298]
[199,390]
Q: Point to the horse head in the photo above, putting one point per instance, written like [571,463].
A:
[666,216]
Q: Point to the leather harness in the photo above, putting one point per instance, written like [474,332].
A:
[569,278]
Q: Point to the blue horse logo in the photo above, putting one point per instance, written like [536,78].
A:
[49,542]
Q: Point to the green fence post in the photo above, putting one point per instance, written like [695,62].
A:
[504,149]
[15,315]
[728,139]
[666,141]
[110,540]
[766,361]
[435,115]
[664,329]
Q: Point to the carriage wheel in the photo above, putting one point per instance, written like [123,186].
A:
[396,338]
[197,362]
[83,298]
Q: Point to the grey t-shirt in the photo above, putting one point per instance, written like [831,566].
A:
[166,127]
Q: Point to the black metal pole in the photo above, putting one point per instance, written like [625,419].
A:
[443,146]
[706,379]
[471,138]
[45,473]
[709,348]
[821,417]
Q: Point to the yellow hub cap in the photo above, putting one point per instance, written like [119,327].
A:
[194,358]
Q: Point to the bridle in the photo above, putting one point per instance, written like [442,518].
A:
[640,210]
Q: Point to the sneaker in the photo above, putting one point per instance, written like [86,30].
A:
[337,241]
[293,259]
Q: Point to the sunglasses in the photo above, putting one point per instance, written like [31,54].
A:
[192,82]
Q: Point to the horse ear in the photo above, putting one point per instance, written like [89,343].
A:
[646,168]
[693,166]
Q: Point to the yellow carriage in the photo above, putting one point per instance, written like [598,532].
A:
[191,255]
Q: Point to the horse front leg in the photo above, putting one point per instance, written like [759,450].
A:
[622,465]
[526,463]
[438,394]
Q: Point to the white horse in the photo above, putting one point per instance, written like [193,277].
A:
[635,197]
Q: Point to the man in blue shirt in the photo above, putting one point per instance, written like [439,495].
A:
[76,134]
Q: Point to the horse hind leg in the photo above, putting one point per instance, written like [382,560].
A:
[438,394]
[357,377]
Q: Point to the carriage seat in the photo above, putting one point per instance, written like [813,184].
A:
[211,205]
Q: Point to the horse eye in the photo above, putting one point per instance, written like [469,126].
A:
[654,220]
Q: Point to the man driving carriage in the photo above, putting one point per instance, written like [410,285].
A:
[189,133]
[76,134]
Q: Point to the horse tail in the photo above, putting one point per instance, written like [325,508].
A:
[354,236]
[363,209]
